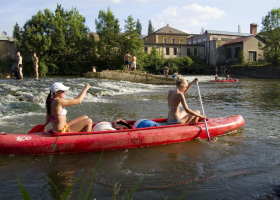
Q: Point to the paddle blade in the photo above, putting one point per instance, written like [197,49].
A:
[38,128]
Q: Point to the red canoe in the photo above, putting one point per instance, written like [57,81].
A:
[42,142]
[232,80]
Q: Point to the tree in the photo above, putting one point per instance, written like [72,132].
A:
[241,57]
[139,27]
[57,38]
[150,27]
[154,61]
[132,42]
[108,47]
[271,33]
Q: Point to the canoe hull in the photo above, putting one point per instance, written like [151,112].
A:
[42,143]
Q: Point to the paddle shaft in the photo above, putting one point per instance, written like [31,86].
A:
[202,110]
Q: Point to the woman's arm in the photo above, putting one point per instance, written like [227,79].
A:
[187,89]
[77,100]
[188,110]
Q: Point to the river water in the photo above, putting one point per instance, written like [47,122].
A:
[241,165]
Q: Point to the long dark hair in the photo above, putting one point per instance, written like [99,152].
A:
[48,103]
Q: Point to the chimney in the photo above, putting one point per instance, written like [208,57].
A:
[167,25]
[253,29]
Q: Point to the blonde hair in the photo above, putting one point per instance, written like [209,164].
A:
[180,79]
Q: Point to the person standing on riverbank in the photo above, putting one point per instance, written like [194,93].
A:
[35,65]
[126,58]
[165,71]
[133,63]
[19,64]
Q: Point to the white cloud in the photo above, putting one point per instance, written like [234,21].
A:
[189,15]
[116,1]
[142,1]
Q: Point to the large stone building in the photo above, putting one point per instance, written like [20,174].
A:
[173,43]
[223,46]
[7,47]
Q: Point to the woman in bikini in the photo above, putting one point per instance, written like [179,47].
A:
[176,98]
[56,113]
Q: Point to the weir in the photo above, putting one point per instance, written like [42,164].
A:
[136,77]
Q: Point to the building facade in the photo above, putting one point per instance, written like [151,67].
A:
[172,43]
[7,47]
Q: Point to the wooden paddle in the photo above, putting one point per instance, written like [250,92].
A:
[203,112]
[38,128]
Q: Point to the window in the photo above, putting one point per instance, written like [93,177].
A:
[188,51]
[175,51]
[180,41]
[167,51]
[252,56]
[237,49]
[146,49]
[172,40]
[214,38]
[195,51]
[228,53]
[164,40]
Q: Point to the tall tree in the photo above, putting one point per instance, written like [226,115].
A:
[139,27]
[108,48]
[132,42]
[57,38]
[150,27]
[271,33]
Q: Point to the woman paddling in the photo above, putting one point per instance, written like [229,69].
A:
[56,113]
[175,98]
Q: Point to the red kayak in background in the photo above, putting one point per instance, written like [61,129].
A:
[232,80]
[122,138]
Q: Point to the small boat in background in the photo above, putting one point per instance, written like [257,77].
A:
[232,80]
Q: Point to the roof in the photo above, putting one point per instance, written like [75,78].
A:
[4,36]
[168,31]
[227,33]
[242,39]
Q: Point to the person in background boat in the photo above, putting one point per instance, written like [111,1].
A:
[176,98]
[56,113]
[216,77]
[35,64]
[126,58]
[19,64]
[216,70]
[228,77]
[8,76]
[165,71]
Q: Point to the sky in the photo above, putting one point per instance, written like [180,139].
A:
[189,16]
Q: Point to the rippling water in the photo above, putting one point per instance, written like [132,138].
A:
[242,165]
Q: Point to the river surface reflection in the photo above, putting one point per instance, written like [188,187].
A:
[241,165]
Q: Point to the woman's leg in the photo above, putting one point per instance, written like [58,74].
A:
[80,124]
[188,118]
[36,71]
[77,119]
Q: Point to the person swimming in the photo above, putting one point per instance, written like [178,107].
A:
[175,98]
[56,112]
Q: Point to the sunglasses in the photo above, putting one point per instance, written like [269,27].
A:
[61,91]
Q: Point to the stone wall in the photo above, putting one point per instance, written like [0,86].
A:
[258,72]
[137,77]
